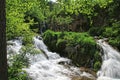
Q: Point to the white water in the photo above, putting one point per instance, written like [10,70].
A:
[50,69]
[13,48]
[47,65]
[110,69]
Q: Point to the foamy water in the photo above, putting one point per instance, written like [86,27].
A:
[110,69]
[47,65]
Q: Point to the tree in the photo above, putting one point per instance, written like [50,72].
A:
[3,53]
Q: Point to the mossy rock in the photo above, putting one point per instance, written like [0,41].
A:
[79,47]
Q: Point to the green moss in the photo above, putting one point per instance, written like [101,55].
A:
[80,47]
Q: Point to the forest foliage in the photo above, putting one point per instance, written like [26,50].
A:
[25,14]
[26,18]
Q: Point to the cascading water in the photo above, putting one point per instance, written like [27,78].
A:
[110,69]
[46,65]
[52,68]
[13,48]
[49,69]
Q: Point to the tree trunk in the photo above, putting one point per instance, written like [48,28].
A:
[3,52]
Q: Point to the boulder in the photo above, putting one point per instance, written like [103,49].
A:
[86,74]
[82,78]
[83,69]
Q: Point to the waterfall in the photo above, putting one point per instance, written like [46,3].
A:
[46,65]
[110,69]
[50,69]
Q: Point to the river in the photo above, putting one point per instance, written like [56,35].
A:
[50,66]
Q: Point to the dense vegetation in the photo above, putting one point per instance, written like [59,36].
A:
[81,48]
[26,17]
[75,22]
[111,32]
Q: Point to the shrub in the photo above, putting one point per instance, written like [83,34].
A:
[15,71]
[97,65]
[30,49]
[96,31]
[112,33]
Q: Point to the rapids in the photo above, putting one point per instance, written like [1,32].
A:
[110,69]
[47,65]
[50,66]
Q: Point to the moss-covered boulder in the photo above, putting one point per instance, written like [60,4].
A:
[80,47]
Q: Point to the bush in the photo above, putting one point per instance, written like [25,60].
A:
[113,34]
[96,31]
[30,49]
[115,42]
[27,38]
[15,71]
[110,32]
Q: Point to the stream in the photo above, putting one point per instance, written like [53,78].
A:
[47,65]
[43,68]
[110,69]
[50,66]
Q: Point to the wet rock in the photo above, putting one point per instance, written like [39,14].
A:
[45,54]
[83,69]
[82,78]
[105,39]
[86,74]
[96,37]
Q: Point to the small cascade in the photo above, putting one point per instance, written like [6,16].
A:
[13,48]
[110,69]
[49,69]
[40,45]
[53,68]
